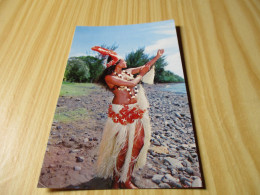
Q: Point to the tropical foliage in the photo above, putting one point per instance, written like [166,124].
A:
[88,68]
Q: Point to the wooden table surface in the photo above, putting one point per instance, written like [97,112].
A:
[221,45]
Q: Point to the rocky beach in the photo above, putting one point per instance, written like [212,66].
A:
[172,160]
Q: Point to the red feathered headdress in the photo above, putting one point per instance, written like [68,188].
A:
[115,57]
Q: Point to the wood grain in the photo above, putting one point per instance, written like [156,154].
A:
[221,46]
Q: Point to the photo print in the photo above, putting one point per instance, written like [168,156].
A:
[123,118]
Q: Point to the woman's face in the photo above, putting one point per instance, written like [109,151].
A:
[122,63]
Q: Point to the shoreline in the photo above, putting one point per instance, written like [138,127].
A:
[164,87]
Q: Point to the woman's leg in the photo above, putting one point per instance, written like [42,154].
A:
[119,164]
[137,146]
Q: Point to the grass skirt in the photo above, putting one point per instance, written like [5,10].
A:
[114,138]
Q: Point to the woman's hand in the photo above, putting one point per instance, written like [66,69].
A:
[160,52]
[144,70]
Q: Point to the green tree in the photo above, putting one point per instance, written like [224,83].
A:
[76,70]
[139,58]
[136,58]
[159,70]
[169,77]
[95,66]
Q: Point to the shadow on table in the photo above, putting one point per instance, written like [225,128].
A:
[93,184]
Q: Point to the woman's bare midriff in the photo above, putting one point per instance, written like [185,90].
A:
[123,97]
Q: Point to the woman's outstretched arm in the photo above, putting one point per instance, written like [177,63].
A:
[149,64]
[113,80]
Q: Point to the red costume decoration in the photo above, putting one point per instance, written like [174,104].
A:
[125,115]
[115,57]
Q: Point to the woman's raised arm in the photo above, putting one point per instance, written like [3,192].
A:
[149,64]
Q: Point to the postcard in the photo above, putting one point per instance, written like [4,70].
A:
[123,117]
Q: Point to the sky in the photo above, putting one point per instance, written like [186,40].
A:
[128,38]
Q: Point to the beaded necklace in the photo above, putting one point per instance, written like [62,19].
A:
[129,77]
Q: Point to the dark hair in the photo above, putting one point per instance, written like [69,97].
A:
[107,71]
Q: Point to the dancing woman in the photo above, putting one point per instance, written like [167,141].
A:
[126,136]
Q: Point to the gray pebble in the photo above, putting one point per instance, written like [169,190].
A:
[186,183]
[79,159]
[52,166]
[164,185]
[156,143]
[153,169]
[172,162]
[173,172]
[58,127]
[194,155]
[170,180]
[184,164]
[147,176]
[193,146]
[189,171]
[190,158]
[72,138]
[171,155]
[156,132]
[162,170]
[77,168]
[180,168]
[197,183]
[178,114]
[184,179]
[195,173]
[59,142]
[74,151]
[157,179]
[149,165]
